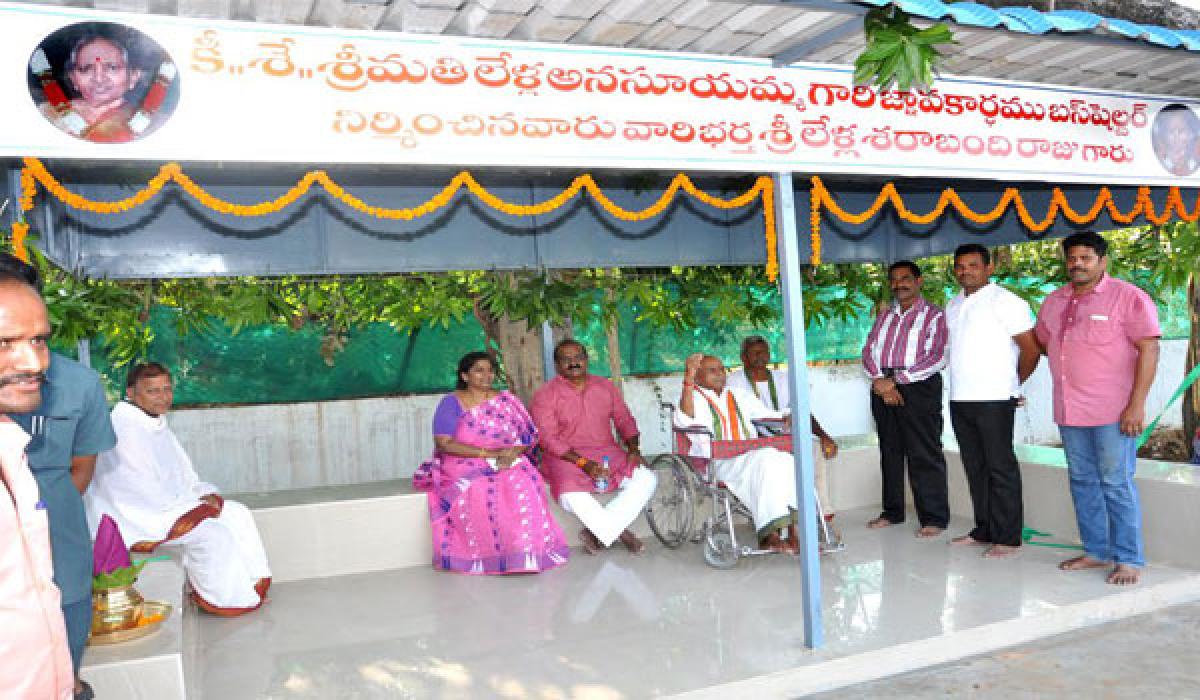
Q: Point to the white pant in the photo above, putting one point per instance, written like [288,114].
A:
[607,522]
[224,558]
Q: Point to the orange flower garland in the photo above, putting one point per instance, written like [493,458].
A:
[35,173]
[822,199]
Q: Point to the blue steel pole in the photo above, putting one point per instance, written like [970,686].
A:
[793,315]
[548,370]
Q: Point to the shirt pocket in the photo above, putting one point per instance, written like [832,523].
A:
[59,439]
[1098,331]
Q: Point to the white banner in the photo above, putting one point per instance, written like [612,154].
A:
[93,85]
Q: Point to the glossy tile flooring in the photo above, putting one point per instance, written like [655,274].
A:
[614,626]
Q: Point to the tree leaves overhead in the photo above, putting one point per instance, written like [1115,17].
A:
[897,53]
[678,299]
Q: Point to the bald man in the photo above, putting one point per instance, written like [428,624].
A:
[34,658]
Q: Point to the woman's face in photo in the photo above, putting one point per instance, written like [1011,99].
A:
[100,73]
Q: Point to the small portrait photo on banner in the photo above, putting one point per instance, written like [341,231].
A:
[103,82]
[1176,139]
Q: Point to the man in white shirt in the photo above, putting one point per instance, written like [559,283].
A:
[764,479]
[147,484]
[771,387]
[991,352]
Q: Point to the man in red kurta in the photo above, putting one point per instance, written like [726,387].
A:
[575,414]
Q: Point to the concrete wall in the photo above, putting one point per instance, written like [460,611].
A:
[292,446]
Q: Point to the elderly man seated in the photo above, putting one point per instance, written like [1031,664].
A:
[147,484]
[771,387]
[575,413]
[763,479]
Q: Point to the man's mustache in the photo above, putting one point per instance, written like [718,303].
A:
[575,365]
[15,377]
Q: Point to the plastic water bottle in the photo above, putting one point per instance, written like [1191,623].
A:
[602,482]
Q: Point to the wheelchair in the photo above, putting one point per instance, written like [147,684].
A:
[687,485]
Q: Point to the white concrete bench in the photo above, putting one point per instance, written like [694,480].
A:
[336,530]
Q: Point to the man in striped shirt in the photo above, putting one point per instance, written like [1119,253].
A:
[904,355]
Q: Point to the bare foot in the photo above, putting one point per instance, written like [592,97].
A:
[635,546]
[1124,575]
[591,545]
[1081,563]
[1000,551]
[880,522]
[967,541]
[793,540]
[773,543]
[929,531]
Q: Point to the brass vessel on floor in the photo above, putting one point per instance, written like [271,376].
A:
[115,609]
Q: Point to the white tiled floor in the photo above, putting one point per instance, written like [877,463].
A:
[614,626]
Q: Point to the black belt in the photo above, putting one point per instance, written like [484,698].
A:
[890,372]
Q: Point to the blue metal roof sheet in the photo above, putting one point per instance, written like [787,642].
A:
[1026,20]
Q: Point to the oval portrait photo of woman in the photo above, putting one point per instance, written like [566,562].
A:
[103,82]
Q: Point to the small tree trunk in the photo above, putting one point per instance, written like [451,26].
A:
[1191,399]
[613,335]
[517,349]
[521,352]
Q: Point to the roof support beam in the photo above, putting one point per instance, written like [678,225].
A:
[830,36]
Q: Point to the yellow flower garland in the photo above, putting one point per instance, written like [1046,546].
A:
[822,200]
[35,173]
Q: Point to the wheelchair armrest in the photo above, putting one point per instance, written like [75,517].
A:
[694,430]
[771,426]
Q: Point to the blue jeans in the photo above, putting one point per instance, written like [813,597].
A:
[1101,462]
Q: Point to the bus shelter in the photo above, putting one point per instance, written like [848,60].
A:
[579,156]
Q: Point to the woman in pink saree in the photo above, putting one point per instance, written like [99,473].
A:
[487,501]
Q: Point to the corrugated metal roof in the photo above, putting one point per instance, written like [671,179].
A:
[1027,20]
[1067,47]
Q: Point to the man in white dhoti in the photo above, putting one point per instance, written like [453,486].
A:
[764,479]
[147,484]
[771,387]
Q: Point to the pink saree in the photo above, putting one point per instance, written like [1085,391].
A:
[489,521]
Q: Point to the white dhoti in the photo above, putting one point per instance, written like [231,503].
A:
[764,480]
[608,521]
[225,560]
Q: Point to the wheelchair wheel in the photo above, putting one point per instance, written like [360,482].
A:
[719,551]
[669,513]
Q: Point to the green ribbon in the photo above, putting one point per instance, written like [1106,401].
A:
[1028,533]
[1189,380]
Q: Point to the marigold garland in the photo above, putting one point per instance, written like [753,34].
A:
[822,200]
[35,173]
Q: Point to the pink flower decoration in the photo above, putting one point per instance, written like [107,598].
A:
[110,552]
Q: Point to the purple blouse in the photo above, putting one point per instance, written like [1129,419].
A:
[445,418]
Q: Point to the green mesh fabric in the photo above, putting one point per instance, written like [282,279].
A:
[275,364]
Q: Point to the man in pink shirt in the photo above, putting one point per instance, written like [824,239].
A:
[35,663]
[1101,335]
[575,413]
